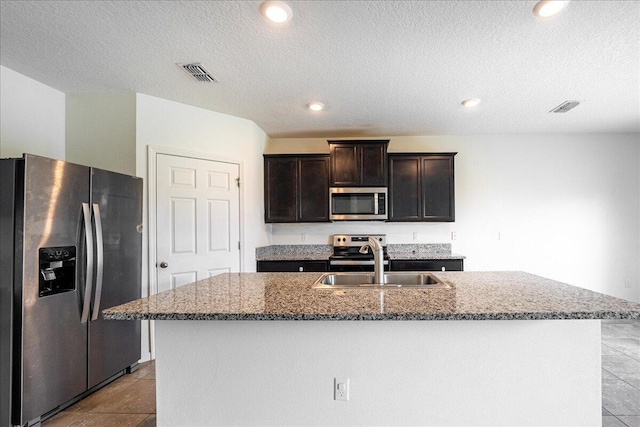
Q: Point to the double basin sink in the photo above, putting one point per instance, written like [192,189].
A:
[392,280]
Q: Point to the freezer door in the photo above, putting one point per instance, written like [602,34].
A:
[51,358]
[117,208]
[8,171]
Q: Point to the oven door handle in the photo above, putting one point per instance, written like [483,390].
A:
[355,262]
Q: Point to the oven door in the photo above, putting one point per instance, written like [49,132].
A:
[346,265]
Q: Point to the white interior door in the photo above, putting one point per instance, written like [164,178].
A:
[197,219]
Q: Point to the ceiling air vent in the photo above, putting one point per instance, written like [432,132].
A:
[565,106]
[198,72]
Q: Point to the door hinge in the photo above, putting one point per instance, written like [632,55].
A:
[238,181]
[238,245]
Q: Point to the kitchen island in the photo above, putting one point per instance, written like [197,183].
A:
[496,348]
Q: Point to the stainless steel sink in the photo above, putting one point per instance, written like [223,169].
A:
[392,280]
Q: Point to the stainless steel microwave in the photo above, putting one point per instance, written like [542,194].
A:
[357,203]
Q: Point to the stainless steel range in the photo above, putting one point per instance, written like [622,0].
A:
[346,252]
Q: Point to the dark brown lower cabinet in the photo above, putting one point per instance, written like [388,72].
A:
[427,265]
[292,266]
[421,187]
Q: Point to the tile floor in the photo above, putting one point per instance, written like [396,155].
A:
[621,373]
[130,400]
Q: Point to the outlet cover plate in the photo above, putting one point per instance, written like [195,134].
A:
[341,389]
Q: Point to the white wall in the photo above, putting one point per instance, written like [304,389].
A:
[101,131]
[408,373]
[32,117]
[170,124]
[566,206]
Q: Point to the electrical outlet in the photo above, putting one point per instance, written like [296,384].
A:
[627,282]
[416,236]
[341,389]
[454,235]
[304,237]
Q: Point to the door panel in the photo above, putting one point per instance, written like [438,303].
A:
[280,189]
[345,165]
[219,226]
[437,188]
[404,193]
[198,219]
[179,279]
[183,226]
[313,191]
[114,346]
[374,165]
[54,193]
[216,271]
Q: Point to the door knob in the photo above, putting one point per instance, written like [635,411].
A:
[164,264]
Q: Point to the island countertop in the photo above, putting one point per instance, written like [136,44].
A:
[289,296]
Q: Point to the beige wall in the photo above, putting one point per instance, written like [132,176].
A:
[101,131]
[169,124]
[562,206]
[32,117]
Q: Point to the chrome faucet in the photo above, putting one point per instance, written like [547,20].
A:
[378,258]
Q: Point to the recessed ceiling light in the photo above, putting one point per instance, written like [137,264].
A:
[276,11]
[546,8]
[471,102]
[315,106]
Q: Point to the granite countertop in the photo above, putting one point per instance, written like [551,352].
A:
[422,255]
[296,257]
[289,296]
[294,253]
[323,252]
[421,251]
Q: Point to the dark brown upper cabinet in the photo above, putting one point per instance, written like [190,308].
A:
[296,188]
[358,163]
[421,187]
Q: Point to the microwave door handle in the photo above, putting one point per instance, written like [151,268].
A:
[99,262]
[88,236]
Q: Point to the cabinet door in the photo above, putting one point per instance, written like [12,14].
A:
[315,266]
[345,165]
[292,266]
[313,189]
[373,164]
[405,195]
[280,175]
[438,189]
[427,265]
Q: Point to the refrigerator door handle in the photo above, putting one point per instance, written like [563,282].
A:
[88,235]
[99,262]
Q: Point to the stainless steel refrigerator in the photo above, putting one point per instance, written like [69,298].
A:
[70,245]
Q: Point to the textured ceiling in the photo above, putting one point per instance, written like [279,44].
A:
[381,67]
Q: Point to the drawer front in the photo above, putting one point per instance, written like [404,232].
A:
[291,266]
[427,265]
